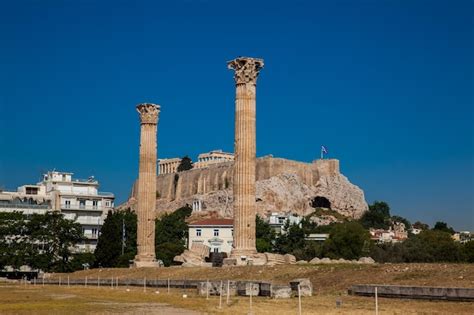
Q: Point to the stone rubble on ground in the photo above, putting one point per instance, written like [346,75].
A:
[325,260]
[194,257]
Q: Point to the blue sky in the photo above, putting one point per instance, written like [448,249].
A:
[387,86]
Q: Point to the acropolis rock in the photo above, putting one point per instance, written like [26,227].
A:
[282,185]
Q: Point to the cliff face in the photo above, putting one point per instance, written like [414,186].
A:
[282,186]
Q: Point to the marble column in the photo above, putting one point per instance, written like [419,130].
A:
[246,73]
[147,186]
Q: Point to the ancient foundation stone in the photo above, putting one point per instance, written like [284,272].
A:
[245,288]
[281,291]
[214,288]
[265,288]
[306,288]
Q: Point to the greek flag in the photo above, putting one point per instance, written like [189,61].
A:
[324,149]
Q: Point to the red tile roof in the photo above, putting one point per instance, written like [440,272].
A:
[219,222]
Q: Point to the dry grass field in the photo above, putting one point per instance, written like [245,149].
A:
[330,281]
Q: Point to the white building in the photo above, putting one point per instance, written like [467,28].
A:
[28,199]
[277,221]
[79,200]
[215,233]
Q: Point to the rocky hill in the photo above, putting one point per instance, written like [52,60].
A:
[283,186]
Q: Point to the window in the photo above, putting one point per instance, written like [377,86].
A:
[94,232]
[31,190]
[216,232]
[107,203]
[198,232]
[82,204]
[94,204]
[216,250]
[67,203]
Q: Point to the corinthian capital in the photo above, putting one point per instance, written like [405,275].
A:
[148,113]
[246,69]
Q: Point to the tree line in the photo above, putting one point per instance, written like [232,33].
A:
[41,241]
[351,240]
[46,241]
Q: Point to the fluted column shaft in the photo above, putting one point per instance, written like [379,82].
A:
[147,185]
[246,72]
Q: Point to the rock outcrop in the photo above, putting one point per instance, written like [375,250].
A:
[282,186]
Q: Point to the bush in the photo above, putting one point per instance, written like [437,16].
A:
[347,240]
[468,251]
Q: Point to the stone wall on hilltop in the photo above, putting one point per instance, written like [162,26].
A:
[282,185]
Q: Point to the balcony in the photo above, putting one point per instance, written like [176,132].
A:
[23,206]
[91,236]
[83,207]
[105,194]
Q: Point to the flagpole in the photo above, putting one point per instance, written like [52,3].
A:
[322,156]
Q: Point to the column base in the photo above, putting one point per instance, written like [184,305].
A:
[145,261]
[142,264]
[243,257]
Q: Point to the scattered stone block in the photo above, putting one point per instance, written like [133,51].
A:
[196,256]
[281,291]
[258,259]
[315,260]
[229,262]
[366,260]
[245,288]
[265,288]
[290,259]
[214,288]
[306,288]
[274,259]
[301,262]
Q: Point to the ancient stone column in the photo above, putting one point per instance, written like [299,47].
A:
[147,186]
[246,73]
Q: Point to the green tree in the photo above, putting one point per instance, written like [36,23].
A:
[58,235]
[346,240]
[421,225]
[291,239]
[468,251]
[42,241]
[185,164]
[377,217]
[432,246]
[108,252]
[443,226]
[171,234]
[16,248]
[265,235]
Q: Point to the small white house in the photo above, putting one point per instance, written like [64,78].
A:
[277,221]
[218,234]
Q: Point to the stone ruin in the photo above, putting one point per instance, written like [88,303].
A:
[194,257]
[256,288]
